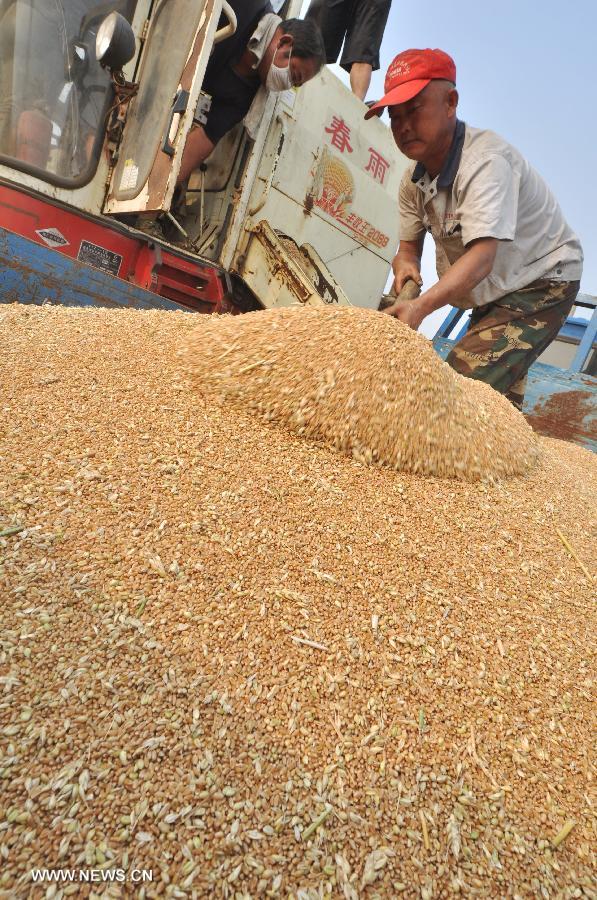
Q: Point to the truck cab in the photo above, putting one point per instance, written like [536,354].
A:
[296,204]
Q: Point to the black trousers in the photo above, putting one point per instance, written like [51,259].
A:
[358,24]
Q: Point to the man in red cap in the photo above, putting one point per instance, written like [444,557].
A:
[503,247]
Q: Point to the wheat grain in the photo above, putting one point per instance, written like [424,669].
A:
[160,715]
[365,384]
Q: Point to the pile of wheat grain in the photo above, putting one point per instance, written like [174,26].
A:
[364,383]
[259,668]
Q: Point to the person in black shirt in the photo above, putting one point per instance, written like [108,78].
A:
[359,26]
[264,50]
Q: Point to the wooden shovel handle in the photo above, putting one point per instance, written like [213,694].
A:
[410,291]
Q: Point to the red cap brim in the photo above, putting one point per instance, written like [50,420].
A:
[399,94]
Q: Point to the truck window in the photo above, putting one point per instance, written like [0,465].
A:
[54,96]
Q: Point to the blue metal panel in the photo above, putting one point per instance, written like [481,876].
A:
[464,329]
[560,404]
[575,328]
[30,273]
[442,347]
[449,322]
[586,344]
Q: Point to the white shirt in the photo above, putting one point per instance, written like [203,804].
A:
[488,189]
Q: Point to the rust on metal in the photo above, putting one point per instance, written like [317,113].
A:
[568,415]
[326,291]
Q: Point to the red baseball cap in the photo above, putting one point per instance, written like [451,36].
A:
[409,73]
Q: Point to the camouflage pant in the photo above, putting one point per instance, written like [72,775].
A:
[505,338]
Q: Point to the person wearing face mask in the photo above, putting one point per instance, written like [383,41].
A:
[264,52]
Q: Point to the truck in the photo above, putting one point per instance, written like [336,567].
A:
[86,146]
[295,205]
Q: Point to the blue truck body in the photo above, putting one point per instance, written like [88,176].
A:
[558,402]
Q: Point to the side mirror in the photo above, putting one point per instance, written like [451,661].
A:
[115,42]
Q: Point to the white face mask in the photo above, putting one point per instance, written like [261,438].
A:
[279,79]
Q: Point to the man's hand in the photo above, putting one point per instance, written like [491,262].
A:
[465,274]
[411,312]
[405,269]
[406,264]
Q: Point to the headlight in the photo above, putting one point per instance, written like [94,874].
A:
[115,42]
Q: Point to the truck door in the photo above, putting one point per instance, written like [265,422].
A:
[180,38]
[311,209]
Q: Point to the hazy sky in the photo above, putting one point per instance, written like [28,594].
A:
[526,69]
